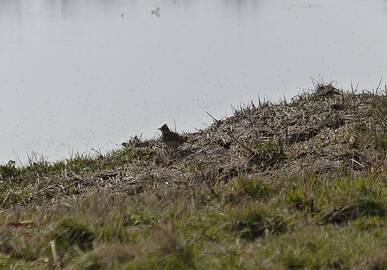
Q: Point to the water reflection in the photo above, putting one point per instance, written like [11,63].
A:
[10,11]
[77,74]
[242,5]
[76,8]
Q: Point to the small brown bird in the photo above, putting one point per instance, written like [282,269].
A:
[171,139]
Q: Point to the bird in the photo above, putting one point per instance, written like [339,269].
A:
[172,140]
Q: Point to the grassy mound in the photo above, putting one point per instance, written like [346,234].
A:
[293,185]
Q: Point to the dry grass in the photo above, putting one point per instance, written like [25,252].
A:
[324,131]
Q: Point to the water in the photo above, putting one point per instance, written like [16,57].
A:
[82,74]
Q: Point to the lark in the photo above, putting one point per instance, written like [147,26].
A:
[171,139]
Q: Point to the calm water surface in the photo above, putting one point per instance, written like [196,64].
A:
[82,74]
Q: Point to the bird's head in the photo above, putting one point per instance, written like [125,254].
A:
[164,128]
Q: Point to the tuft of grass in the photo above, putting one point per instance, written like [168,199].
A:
[254,223]
[369,223]
[70,234]
[167,252]
[138,219]
[9,169]
[293,262]
[112,231]
[268,152]
[297,199]
[253,188]
[106,257]
[348,212]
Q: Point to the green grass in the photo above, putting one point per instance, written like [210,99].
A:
[271,226]
[9,169]
[254,188]
[254,222]
[71,234]
[268,152]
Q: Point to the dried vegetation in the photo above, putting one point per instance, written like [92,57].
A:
[324,131]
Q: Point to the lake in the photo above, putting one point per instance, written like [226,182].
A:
[83,74]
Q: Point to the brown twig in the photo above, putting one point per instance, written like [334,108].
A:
[251,151]
[210,187]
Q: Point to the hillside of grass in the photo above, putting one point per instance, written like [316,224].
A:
[298,184]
